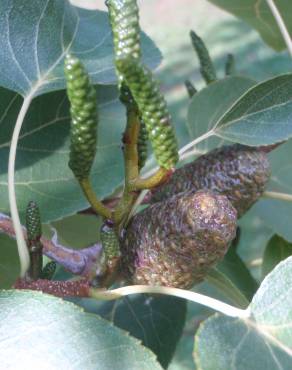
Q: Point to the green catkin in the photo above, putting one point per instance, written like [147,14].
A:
[33,222]
[109,241]
[237,171]
[34,233]
[49,270]
[207,68]
[82,97]
[190,88]
[153,109]
[230,65]
[176,242]
[124,19]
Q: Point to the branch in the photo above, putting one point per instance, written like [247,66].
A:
[82,288]
[215,304]
[281,24]
[78,288]
[81,262]
[276,195]
[95,203]
[21,244]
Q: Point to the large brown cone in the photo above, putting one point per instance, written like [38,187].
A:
[175,242]
[237,171]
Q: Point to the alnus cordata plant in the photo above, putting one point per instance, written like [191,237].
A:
[175,241]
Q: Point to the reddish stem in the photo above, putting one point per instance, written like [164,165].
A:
[78,288]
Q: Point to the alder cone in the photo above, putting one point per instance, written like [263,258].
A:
[175,242]
[237,171]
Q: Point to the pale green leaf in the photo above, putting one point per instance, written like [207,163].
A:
[262,116]
[263,341]
[35,36]
[39,331]
[208,106]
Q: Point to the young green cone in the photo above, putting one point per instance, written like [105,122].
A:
[124,20]
[83,110]
[153,109]
[207,68]
[34,233]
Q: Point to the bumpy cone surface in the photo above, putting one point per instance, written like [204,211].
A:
[237,171]
[175,242]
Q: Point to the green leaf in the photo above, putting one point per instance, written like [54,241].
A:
[38,328]
[9,265]
[258,15]
[263,341]
[42,172]
[209,104]
[157,321]
[32,55]
[276,251]
[262,116]
[233,279]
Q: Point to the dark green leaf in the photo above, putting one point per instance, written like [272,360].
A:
[233,279]
[157,321]
[42,172]
[262,341]
[276,251]
[39,329]
[258,15]
[35,36]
